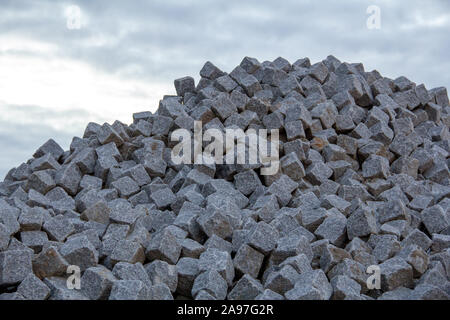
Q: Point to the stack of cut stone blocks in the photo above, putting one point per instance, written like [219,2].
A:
[363,181]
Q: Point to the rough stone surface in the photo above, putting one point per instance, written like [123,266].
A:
[361,179]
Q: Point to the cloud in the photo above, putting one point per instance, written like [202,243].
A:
[23,129]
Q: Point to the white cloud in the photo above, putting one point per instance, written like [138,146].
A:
[62,84]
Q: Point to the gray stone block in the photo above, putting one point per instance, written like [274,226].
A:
[211,282]
[311,285]
[79,251]
[32,288]
[187,270]
[247,288]
[220,261]
[130,290]
[97,282]
[396,272]
[15,266]
[160,272]
[248,261]
[164,246]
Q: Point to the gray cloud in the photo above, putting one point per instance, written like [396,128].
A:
[163,40]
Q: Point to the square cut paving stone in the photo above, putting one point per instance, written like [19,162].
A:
[386,247]
[416,257]
[210,71]
[138,174]
[435,219]
[281,279]
[32,288]
[211,282]
[331,256]
[215,242]
[292,166]
[41,181]
[291,245]
[361,223]
[50,147]
[300,263]
[130,290]
[108,134]
[441,242]
[127,251]
[225,83]
[392,210]
[220,261]
[191,248]
[266,207]
[248,261]
[215,222]
[247,288]
[428,292]
[396,272]
[187,269]
[312,218]
[263,237]
[122,212]
[99,212]
[4,237]
[125,186]
[79,251]
[334,229]
[160,272]
[164,246]
[96,283]
[163,197]
[282,188]
[203,295]
[344,287]
[68,178]
[34,239]
[59,290]
[247,182]
[223,107]
[353,270]
[32,219]
[85,159]
[184,85]
[160,292]
[58,228]
[15,265]
[109,150]
[49,263]
[375,167]
[45,162]
[318,172]
[129,271]
[311,285]
[11,297]
[333,201]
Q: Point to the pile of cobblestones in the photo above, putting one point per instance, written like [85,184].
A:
[362,183]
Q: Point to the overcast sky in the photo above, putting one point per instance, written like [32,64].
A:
[60,70]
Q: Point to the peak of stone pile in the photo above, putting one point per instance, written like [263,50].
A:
[363,181]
